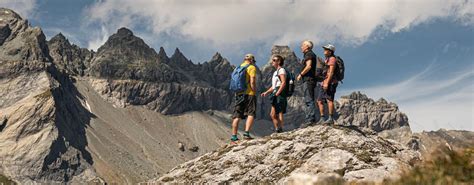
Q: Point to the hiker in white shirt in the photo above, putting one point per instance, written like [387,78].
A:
[279,102]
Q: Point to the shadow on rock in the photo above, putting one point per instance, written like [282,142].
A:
[68,156]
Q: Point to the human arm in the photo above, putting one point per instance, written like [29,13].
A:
[306,69]
[269,90]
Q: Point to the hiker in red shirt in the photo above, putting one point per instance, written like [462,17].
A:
[327,88]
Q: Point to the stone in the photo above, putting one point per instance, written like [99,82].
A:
[314,151]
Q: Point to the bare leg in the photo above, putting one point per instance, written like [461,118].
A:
[281,119]
[331,107]
[235,125]
[274,117]
[321,107]
[249,123]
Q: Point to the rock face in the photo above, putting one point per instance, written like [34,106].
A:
[69,58]
[128,72]
[342,152]
[376,115]
[125,56]
[22,48]
[42,119]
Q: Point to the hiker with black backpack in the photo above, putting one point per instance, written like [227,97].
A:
[327,88]
[243,84]
[282,87]
[307,74]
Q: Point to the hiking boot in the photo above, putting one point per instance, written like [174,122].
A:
[279,130]
[307,124]
[247,136]
[321,120]
[234,140]
[329,121]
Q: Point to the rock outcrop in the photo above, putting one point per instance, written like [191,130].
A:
[23,48]
[67,57]
[377,115]
[343,153]
[42,130]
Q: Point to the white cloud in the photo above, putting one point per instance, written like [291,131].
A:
[277,22]
[432,104]
[23,7]
[100,38]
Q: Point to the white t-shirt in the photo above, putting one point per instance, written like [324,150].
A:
[275,79]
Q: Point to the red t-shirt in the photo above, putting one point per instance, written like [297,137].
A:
[331,61]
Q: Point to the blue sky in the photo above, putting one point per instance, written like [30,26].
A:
[418,54]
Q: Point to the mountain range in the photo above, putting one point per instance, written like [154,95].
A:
[127,114]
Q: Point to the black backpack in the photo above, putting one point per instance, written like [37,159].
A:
[322,69]
[340,69]
[290,84]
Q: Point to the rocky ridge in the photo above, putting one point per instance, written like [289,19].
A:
[126,71]
[69,58]
[342,153]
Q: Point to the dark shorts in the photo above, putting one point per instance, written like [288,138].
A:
[245,105]
[279,103]
[328,94]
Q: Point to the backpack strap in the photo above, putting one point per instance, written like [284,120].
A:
[279,75]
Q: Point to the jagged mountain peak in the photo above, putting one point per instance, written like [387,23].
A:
[68,57]
[61,40]
[179,60]
[281,49]
[16,24]
[8,15]
[217,57]
[21,44]
[124,41]
[356,96]
[162,56]
[59,37]
[162,52]
[291,60]
[123,31]
[178,55]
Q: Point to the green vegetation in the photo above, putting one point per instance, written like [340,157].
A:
[444,167]
[5,181]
